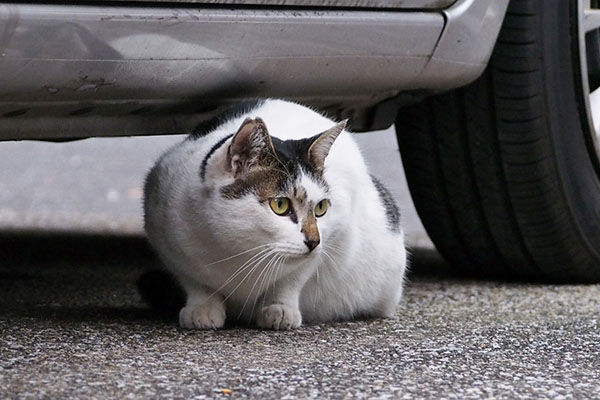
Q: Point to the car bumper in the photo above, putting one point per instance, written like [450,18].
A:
[69,71]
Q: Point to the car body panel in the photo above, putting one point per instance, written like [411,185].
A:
[126,70]
[390,4]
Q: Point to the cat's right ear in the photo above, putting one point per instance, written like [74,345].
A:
[319,149]
[249,146]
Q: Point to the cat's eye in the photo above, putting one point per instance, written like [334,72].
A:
[321,208]
[280,205]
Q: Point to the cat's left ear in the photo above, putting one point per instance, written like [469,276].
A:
[319,149]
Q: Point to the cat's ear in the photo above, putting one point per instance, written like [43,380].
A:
[249,146]
[319,148]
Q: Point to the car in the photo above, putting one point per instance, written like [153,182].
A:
[495,102]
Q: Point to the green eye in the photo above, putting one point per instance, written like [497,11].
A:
[280,205]
[321,208]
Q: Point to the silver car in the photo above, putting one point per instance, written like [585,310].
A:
[495,101]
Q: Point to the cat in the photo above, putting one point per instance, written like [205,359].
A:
[267,215]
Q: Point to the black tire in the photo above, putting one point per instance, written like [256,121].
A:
[503,172]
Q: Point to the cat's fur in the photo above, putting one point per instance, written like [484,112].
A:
[207,214]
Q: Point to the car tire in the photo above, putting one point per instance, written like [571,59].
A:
[505,172]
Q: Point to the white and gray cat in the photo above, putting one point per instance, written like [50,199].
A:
[268,215]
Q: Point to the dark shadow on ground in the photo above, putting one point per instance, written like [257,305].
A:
[75,278]
[33,248]
[79,278]
[425,262]
[50,248]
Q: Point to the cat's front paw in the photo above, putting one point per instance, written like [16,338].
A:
[204,316]
[279,316]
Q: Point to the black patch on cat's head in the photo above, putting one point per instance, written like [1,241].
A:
[276,173]
[280,162]
[293,154]
[210,153]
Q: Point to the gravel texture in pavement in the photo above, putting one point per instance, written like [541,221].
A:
[73,326]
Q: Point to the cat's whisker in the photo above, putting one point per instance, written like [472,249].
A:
[253,268]
[245,266]
[274,279]
[331,287]
[332,243]
[265,282]
[325,253]
[335,264]
[335,250]
[318,289]
[334,247]
[238,254]
[259,278]
[284,259]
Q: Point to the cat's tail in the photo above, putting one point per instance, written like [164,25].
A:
[161,292]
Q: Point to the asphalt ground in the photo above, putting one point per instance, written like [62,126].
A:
[72,324]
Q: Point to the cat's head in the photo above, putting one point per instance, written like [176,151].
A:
[273,192]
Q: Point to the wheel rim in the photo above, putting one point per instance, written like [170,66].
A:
[589,61]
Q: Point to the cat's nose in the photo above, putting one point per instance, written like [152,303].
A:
[311,244]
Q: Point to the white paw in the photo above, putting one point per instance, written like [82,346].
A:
[279,316]
[204,316]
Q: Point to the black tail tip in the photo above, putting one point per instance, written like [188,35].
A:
[161,291]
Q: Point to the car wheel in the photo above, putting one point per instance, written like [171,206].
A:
[505,173]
